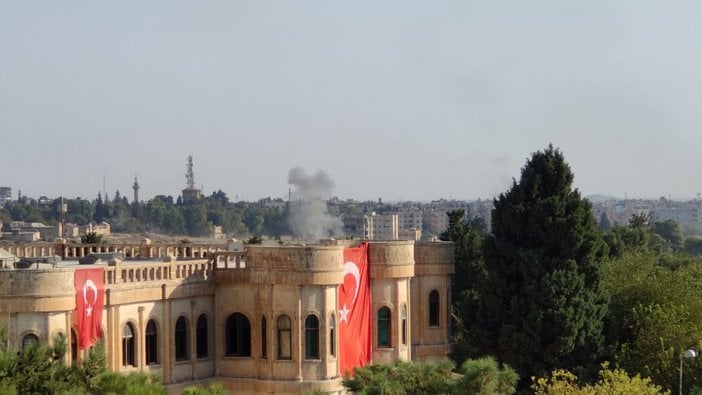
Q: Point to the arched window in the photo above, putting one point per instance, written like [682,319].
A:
[181,339]
[238,336]
[284,337]
[384,327]
[201,336]
[403,317]
[128,345]
[264,343]
[74,346]
[434,308]
[28,339]
[332,335]
[151,343]
[311,337]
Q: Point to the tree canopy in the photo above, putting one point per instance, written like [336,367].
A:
[541,305]
[483,376]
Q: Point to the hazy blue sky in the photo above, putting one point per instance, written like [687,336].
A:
[405,100]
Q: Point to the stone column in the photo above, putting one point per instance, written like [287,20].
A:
[166,336]
[214,327]
[113,346]
[397,324]
[141,331]
[300,330]
[271,325]
[67,330]
[193,345]
[409,318]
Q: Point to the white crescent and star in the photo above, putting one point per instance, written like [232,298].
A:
[89,284]
[352,269]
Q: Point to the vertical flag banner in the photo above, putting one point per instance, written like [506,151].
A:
[355,310]
[90,296]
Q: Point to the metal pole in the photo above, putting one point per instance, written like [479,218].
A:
[681,368]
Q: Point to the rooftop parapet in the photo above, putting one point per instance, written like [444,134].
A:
[144,250]
[42,290]
[281,264]
[391,259]
[434,258]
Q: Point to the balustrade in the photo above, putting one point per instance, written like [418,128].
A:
[133,250]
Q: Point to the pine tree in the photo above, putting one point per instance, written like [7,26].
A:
[541,303]
[468,238]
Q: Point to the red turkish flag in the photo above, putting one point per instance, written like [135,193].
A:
[355,311]
[90,296]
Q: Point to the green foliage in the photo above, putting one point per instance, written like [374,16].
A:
[468,238]
[162,214]
[91,238]
[215,388]
[671,232]
[614,382]
[638,221]
[541,305]
[621,239]
[254,240]
[693,246]
[401,378]
[483,376]
[655,314]
[659,237]
[39,369]
[605,224]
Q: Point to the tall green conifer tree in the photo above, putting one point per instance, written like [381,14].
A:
[541,303]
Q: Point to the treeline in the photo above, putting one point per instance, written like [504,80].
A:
[547,292]
[162,214]
[41,369]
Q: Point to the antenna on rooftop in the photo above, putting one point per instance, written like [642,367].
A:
[189,176]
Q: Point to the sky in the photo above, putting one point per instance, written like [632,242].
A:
[403,100]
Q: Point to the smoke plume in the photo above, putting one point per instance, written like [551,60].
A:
[309,218]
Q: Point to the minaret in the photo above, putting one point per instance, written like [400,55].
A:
[135,187]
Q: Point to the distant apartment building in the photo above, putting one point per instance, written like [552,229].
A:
[388,226]
[381,226]
[687,214]
[101,229]
[30,231]
[409,234]
[353,226]
[410,219]
[5,195]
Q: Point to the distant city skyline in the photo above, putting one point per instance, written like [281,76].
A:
[402,100]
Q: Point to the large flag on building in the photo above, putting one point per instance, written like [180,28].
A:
[355,310]
[90,296]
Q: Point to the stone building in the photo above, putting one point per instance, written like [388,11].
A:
[262,320]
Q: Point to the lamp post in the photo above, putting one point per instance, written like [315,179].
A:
[686,354]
